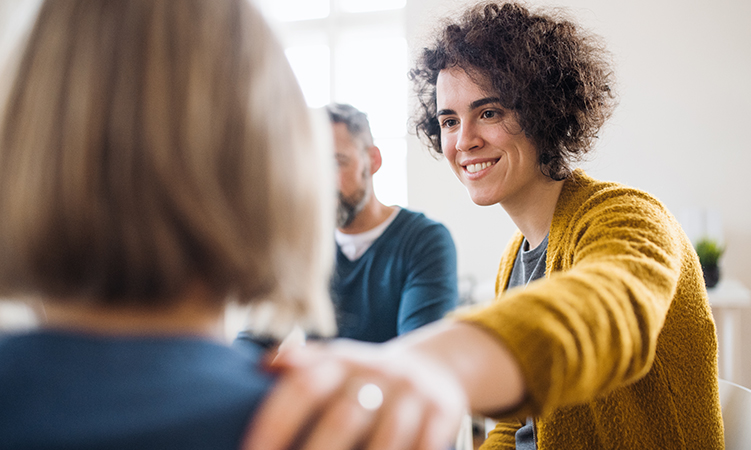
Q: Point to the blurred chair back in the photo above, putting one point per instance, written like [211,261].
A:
[736,415]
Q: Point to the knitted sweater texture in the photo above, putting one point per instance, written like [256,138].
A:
[617,343]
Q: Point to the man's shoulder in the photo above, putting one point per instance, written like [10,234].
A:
[414,230]
[408,218]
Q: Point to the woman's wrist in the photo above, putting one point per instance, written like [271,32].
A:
[480,362]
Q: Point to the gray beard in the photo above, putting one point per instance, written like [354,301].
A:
[348,208]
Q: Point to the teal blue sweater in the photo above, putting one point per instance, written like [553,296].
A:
[63,390]
[406,279]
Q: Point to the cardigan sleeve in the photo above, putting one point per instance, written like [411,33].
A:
[503,436]
[614,259]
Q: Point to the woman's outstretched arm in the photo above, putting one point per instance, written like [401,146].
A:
[427,378]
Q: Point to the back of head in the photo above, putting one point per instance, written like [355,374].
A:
[150,144]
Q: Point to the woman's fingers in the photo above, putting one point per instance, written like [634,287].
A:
[292,404]
[439,431]
[399,425]
[345,421]
[348,395]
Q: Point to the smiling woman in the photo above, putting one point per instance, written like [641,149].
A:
[560,87]
[485,146]
[600,303]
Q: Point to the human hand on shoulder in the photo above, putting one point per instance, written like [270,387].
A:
[347,394]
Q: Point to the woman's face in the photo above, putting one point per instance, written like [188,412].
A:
[483,143]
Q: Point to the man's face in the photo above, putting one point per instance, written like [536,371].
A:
[354,178]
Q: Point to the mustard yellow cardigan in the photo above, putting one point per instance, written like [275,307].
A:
[617,343]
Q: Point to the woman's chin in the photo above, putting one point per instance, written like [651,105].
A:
[482,200]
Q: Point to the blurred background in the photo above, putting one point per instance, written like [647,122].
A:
[680,132]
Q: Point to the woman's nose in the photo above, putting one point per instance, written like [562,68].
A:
[468,138]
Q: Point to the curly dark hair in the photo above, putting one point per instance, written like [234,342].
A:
[553,75]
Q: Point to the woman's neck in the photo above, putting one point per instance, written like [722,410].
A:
[190,315]
[534,214]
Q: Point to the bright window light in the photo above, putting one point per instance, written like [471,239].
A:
[390,182]
[311,66]
[294,10]
[371,5]
[371,74]
[355,53]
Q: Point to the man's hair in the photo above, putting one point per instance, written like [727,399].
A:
[555,77]
[145,146]
[355,120]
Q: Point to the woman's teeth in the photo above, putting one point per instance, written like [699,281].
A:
[472,168]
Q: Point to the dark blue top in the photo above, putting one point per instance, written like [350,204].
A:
[68,391]
[406,279]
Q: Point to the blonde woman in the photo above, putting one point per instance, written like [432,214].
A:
[156,161]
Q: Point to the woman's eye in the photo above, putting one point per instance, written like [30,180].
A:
[448,123]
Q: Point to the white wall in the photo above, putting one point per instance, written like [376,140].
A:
[681,130]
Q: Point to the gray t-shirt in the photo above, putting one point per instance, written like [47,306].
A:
[529,266]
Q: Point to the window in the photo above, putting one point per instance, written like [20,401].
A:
[353,51]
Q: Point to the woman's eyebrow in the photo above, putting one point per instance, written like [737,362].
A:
[483,101]
[474,105]
[445,112]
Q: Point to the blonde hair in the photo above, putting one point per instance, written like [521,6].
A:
[150,144]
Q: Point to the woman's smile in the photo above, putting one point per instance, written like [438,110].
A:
[483,143]
[479,167]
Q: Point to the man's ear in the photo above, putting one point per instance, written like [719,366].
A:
[375,159]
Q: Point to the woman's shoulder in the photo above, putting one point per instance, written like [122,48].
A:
[582,194]
[589,209]
[85,387]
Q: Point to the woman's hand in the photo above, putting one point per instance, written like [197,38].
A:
[428,379]
[315,404]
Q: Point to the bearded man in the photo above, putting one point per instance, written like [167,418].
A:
[395,268]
